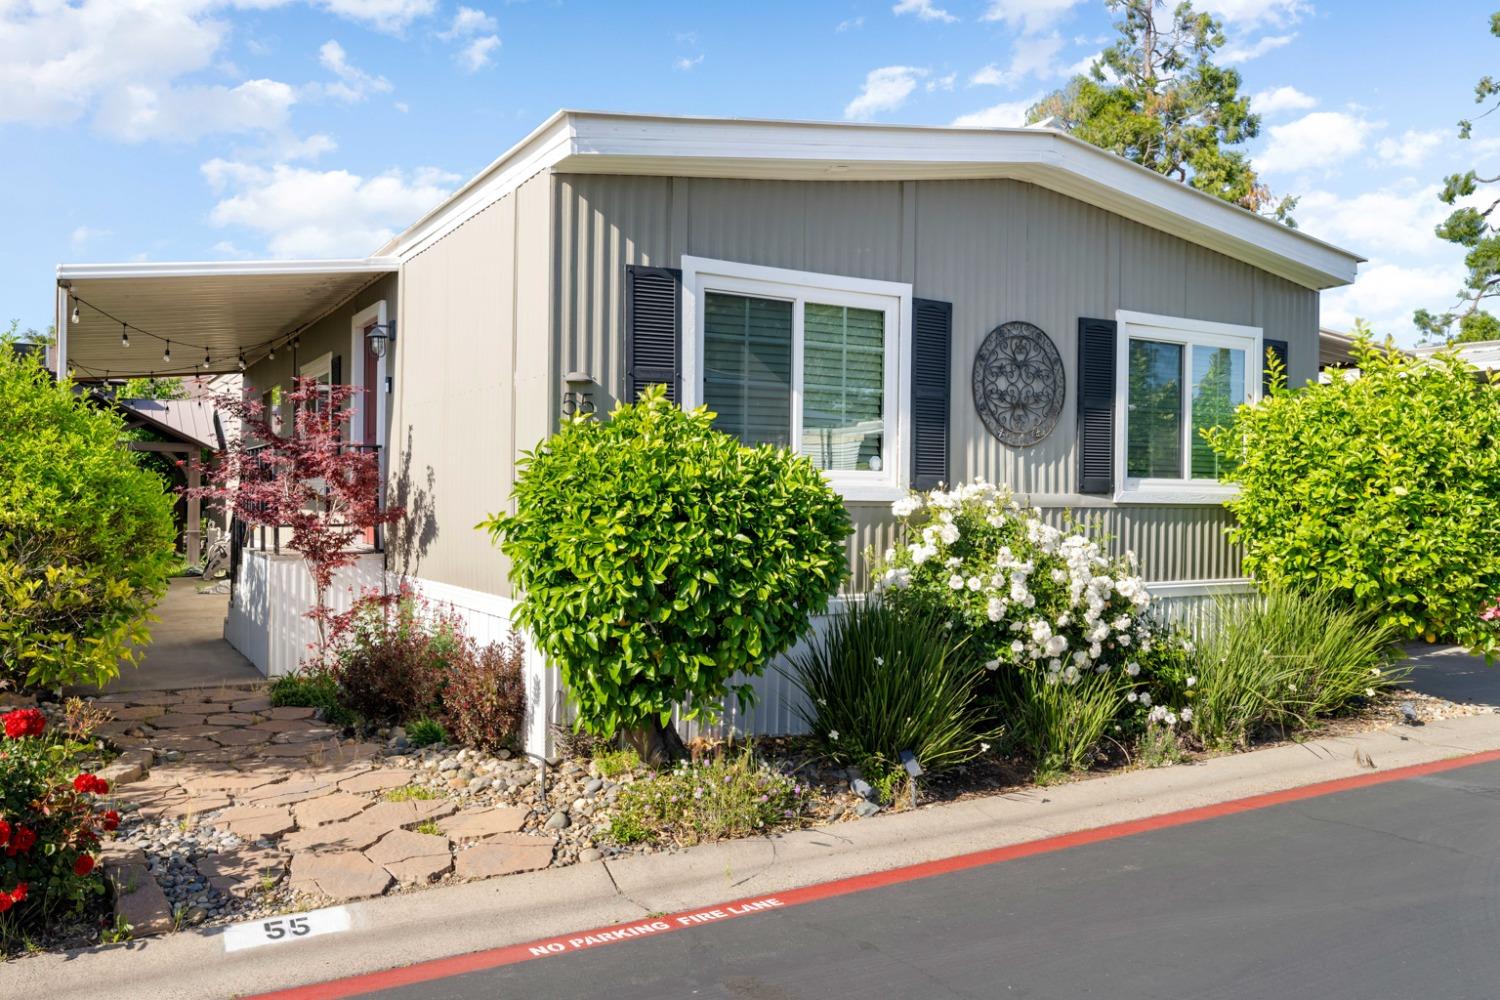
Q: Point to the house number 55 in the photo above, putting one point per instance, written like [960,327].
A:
[278,929]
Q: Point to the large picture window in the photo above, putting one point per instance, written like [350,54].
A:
[1178,378]
[802,361]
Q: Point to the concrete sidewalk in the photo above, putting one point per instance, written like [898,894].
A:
[400,930]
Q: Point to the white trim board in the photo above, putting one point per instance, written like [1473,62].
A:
[595,142]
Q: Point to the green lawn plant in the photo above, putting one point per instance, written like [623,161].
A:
[732,794]
[86,534]
[881,680]
[1383,490]
[661,562]
[1277,662]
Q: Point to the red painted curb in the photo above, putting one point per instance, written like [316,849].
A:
[442,968]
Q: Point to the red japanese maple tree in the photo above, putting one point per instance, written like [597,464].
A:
[309,481]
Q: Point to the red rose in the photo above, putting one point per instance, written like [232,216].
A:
[111,821]
[24,722]
[18,894]
[4,833]
[83,865]
[4,901]
[22,840]
[84,783]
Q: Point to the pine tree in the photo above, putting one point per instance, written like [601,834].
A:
[1156,97]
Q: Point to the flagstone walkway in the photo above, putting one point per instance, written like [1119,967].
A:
[227,799]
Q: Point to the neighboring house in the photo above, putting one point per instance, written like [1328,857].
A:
[1482,354]
[905,305]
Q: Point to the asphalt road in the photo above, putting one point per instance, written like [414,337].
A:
[1390,891]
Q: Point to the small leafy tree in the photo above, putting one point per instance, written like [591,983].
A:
[1382,489]
[1157,98]
[657,558]
[1470,227]
[86,534]
[328,495]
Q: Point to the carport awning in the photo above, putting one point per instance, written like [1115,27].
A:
[221,309]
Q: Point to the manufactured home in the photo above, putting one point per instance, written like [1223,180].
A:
[904,305]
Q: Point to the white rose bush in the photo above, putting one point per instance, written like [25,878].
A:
[1068,640]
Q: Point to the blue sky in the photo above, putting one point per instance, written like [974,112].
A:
[215,129]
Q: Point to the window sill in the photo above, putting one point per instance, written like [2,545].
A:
[867,492]
[1176,493]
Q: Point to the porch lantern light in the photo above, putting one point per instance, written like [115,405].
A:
[242,361]
[75,310]
[124,335]
[166,355]
[206,359]
[272,355]
[380,337]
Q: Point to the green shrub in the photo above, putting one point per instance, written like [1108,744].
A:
[733,795]
[1276,663]
[409,793]
[425,732]
[880,681]
[1383,490]
[613,763]
[484,695]
[86,534]
[659,557]
[1065,630]
[313,687]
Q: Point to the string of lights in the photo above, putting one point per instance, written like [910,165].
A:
[264,349]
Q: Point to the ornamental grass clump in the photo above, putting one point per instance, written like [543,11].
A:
[732,794]
[50,827]
[659,558]
[1278,662]
[1048,612]
[882,680]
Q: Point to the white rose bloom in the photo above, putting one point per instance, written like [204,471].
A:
[992,665]
[1191,681]
[1017,646]
[1133,669]
[1071,674]
[906,506]
[975,584]
[1132,697]
[948,533]
[1056,645]
[996,609]
[1054,665]
[833,734]
[954,562]
[1146,699]
[1187,715]
[956,582]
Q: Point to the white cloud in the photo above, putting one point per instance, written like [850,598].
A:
[469,21]
[1276,99]
[851,24]
[687,65]
[885,89]
[310,148]
[1316,141]
[1085,67]
[1249,13]
[392,16]
[137,112]
[301,212]
[1011,114]
[924,10]
[941,83]
[1411,149]
[353,83]
[479,53]
[84,235]
[1032,17]
[1034,57]
[1238,53]
[1386,294]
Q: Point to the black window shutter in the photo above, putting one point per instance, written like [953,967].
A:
[336,370]
[1096,405]
[1281,349]
[653,329]
[931,356]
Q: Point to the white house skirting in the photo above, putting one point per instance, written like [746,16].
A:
[267,622]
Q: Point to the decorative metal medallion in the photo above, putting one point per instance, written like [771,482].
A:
[1019,384]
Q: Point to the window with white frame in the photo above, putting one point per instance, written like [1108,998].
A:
[804,361]
[1177,378]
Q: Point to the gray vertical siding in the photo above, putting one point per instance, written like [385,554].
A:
[471,385]
[998,250]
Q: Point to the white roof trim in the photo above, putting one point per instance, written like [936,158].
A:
[225,268]
[594,142]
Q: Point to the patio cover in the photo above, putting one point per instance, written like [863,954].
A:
[221,308]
